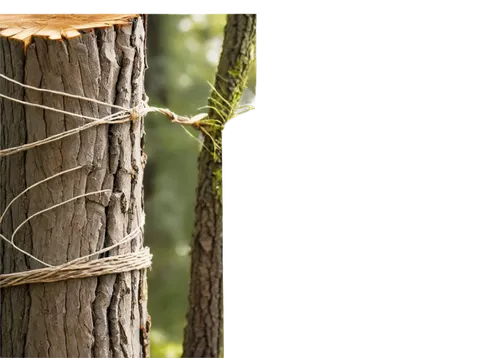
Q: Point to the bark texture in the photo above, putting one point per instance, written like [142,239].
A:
[203,333]
[102,316]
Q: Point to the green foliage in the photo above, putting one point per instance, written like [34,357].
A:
[162,348]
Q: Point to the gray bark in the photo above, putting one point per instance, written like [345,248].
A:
[102,316]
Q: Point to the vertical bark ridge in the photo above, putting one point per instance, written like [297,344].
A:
[98,316]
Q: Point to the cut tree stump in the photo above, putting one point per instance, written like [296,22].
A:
[100,57]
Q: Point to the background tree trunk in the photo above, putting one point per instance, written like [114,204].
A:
[155,84]
[102,316]
[203,334]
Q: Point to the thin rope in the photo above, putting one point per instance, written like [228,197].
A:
[11,241]
[112,119]
[21,194]
[62,93]
[147,109]
[34,185]
[50,208]
[124,115]
[78,268]
[130,261]
[49,108]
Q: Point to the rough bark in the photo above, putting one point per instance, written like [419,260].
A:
[203,333]
[102,316]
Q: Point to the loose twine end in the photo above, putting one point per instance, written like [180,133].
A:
[194,121]
[123,115]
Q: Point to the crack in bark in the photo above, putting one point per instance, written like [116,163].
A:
[83,325]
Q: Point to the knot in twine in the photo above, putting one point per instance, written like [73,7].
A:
[122,115]
[82,267]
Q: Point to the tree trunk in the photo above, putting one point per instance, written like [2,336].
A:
[203,334]
[103,316]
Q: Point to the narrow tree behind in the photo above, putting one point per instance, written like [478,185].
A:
[102,316]
[203,333]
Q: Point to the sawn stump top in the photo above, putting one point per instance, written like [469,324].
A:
[56,26]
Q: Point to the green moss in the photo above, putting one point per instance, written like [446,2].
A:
[234,72]
[223,105]
[217,182]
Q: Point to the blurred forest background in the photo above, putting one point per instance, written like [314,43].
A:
[182,54]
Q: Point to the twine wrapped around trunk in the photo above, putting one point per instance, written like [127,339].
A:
[109,265]
[80,268]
